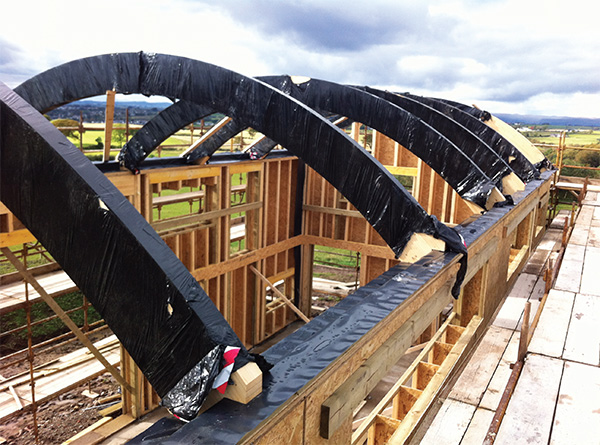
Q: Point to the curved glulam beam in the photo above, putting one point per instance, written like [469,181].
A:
[478,151]
[149,299]
[149,136]
[388,207]
[517,139]
[444,157]
[428,144]
[520,163]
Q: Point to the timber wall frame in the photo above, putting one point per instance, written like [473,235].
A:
[203,242]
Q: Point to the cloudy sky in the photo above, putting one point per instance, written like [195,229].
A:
[513,56]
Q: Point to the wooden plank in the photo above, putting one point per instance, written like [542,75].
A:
[551,331]
[478,428]
[493,393]
[214,270]
[450,423]
[402,171]
[569,276]
[528,418]
[180,174]
[474,379]
[15,237]
[280,294]
[210,133]
[108,127]
[590,284]
[197,218]
[364,249]
[577,417]
[583,339]
[245,167]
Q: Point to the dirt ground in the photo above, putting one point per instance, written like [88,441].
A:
[61,418]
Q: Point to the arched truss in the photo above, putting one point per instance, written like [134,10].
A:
[388,207]
[480,151]
[454,165]
[110,251]
[520,163]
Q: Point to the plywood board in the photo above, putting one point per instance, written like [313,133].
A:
[449,424]
[528,418]
[551,331]
[474,379]
[583,338]
[577,418]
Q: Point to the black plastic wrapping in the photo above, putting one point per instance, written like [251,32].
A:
[485,116]
[156,308]
[158,129]
[433,148]
[185,399]
[216,141]
[390,209]
[524,169]
[476,149]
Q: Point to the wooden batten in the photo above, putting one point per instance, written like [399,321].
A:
[245,385]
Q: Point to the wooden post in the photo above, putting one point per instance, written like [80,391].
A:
[109,117]
[126,125]
[81,130]
[523,340]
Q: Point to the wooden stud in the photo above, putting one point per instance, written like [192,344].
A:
[108,128]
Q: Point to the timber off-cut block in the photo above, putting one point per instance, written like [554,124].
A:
[246,384]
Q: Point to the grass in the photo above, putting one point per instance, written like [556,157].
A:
[330,256]
[575,139]
[46,330]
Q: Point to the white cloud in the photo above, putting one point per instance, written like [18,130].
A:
[523,57]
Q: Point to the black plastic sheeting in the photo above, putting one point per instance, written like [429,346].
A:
[477,150]
[448,160]
[388,207]
[478,164]
[484,116]
[304,354]
[152,303]
[518,162]
[145,140]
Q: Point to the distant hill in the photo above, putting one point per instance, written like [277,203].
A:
[550,120]
[141,111]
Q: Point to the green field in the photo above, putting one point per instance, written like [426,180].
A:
[578,139]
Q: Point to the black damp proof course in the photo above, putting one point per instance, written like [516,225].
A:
[156,308]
